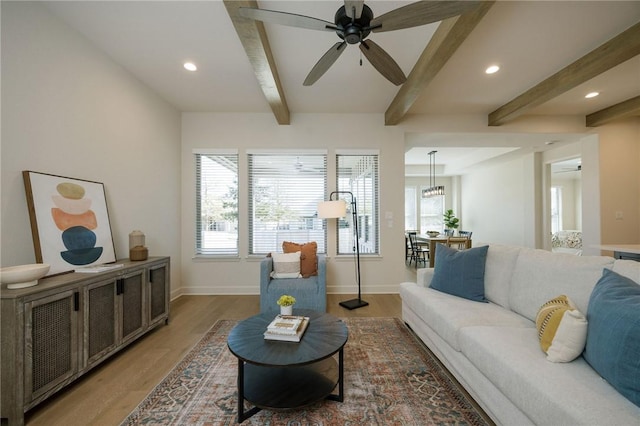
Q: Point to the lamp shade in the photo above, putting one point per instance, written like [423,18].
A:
[332,209]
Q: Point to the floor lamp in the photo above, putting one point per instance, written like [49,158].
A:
[337,208]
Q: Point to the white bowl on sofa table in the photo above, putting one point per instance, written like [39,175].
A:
[23,276]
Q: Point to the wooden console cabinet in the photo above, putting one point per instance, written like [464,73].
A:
[54,332]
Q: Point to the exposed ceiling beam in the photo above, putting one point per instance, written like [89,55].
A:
[619,49]
[445,41]
[254,40]
[625,109]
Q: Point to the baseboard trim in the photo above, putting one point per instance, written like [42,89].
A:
[254,290]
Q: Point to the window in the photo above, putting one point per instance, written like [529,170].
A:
[556,209]
[358,174]
[431,213]
[284,192]
[216,204]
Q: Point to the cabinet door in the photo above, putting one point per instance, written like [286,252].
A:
[131,290]
[158,293]
[51,343]
[101,311]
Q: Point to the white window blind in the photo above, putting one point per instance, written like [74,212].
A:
[216,204]
[284,192]
[358,174]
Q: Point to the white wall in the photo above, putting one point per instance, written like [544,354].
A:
[307,131]
[68,110]
[496,200]
[620,181]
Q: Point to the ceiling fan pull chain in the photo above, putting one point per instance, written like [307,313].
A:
[361,58]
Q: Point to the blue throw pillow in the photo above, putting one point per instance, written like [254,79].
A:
[613,333]
[460,272]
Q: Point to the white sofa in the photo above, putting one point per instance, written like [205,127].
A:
[493,348]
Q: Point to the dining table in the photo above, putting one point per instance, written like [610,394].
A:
[432,242]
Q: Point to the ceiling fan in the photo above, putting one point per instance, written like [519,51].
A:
[354,21]
[577,168]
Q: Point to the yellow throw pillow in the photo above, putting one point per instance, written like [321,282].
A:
[562,329]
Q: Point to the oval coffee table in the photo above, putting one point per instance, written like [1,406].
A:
[280,375]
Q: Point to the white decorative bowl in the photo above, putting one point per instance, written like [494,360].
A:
[22,276]
[433,233]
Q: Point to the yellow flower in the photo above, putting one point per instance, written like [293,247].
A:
[286,300]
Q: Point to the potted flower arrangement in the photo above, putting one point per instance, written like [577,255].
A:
[286,303]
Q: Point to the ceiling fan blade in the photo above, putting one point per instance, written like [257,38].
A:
[383,62]
[420,13]
[325,63]
[350,5]
[284,18]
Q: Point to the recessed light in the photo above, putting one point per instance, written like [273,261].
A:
[591,95]
[492,69]
[190,66]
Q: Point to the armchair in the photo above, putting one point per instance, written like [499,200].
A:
[310,293]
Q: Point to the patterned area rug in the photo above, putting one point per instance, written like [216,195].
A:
[390,379]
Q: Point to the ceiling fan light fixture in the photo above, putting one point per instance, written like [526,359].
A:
[190,66]
[591,95]
[492,69]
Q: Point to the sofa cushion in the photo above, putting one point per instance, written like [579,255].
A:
[540,275]
[308,256]
[562,329]
[613,340]
[286,265]
[447,314]
[627,268]
[501,261]
[460,272]
[548,393]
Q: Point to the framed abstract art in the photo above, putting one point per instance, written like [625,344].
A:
[69,221]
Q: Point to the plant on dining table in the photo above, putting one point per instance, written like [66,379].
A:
[450,220]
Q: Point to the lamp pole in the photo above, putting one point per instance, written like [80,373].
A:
[353,303]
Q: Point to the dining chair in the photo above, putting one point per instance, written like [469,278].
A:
[407,245]
[460,243]
[448,232]
[465,233]
[418,252]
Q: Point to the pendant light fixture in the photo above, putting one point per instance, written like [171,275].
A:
[432,190]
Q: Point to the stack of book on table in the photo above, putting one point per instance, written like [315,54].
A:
[287,328]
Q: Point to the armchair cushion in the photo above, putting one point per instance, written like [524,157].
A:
[308,256]
[310,293]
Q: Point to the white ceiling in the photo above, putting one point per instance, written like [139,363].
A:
[530,40]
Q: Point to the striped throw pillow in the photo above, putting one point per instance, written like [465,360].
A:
[562,329]
[286,265]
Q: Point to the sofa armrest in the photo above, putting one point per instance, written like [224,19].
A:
[424,277]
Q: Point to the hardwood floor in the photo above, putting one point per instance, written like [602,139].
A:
[111,391]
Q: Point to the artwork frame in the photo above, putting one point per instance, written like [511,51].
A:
[69,219]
